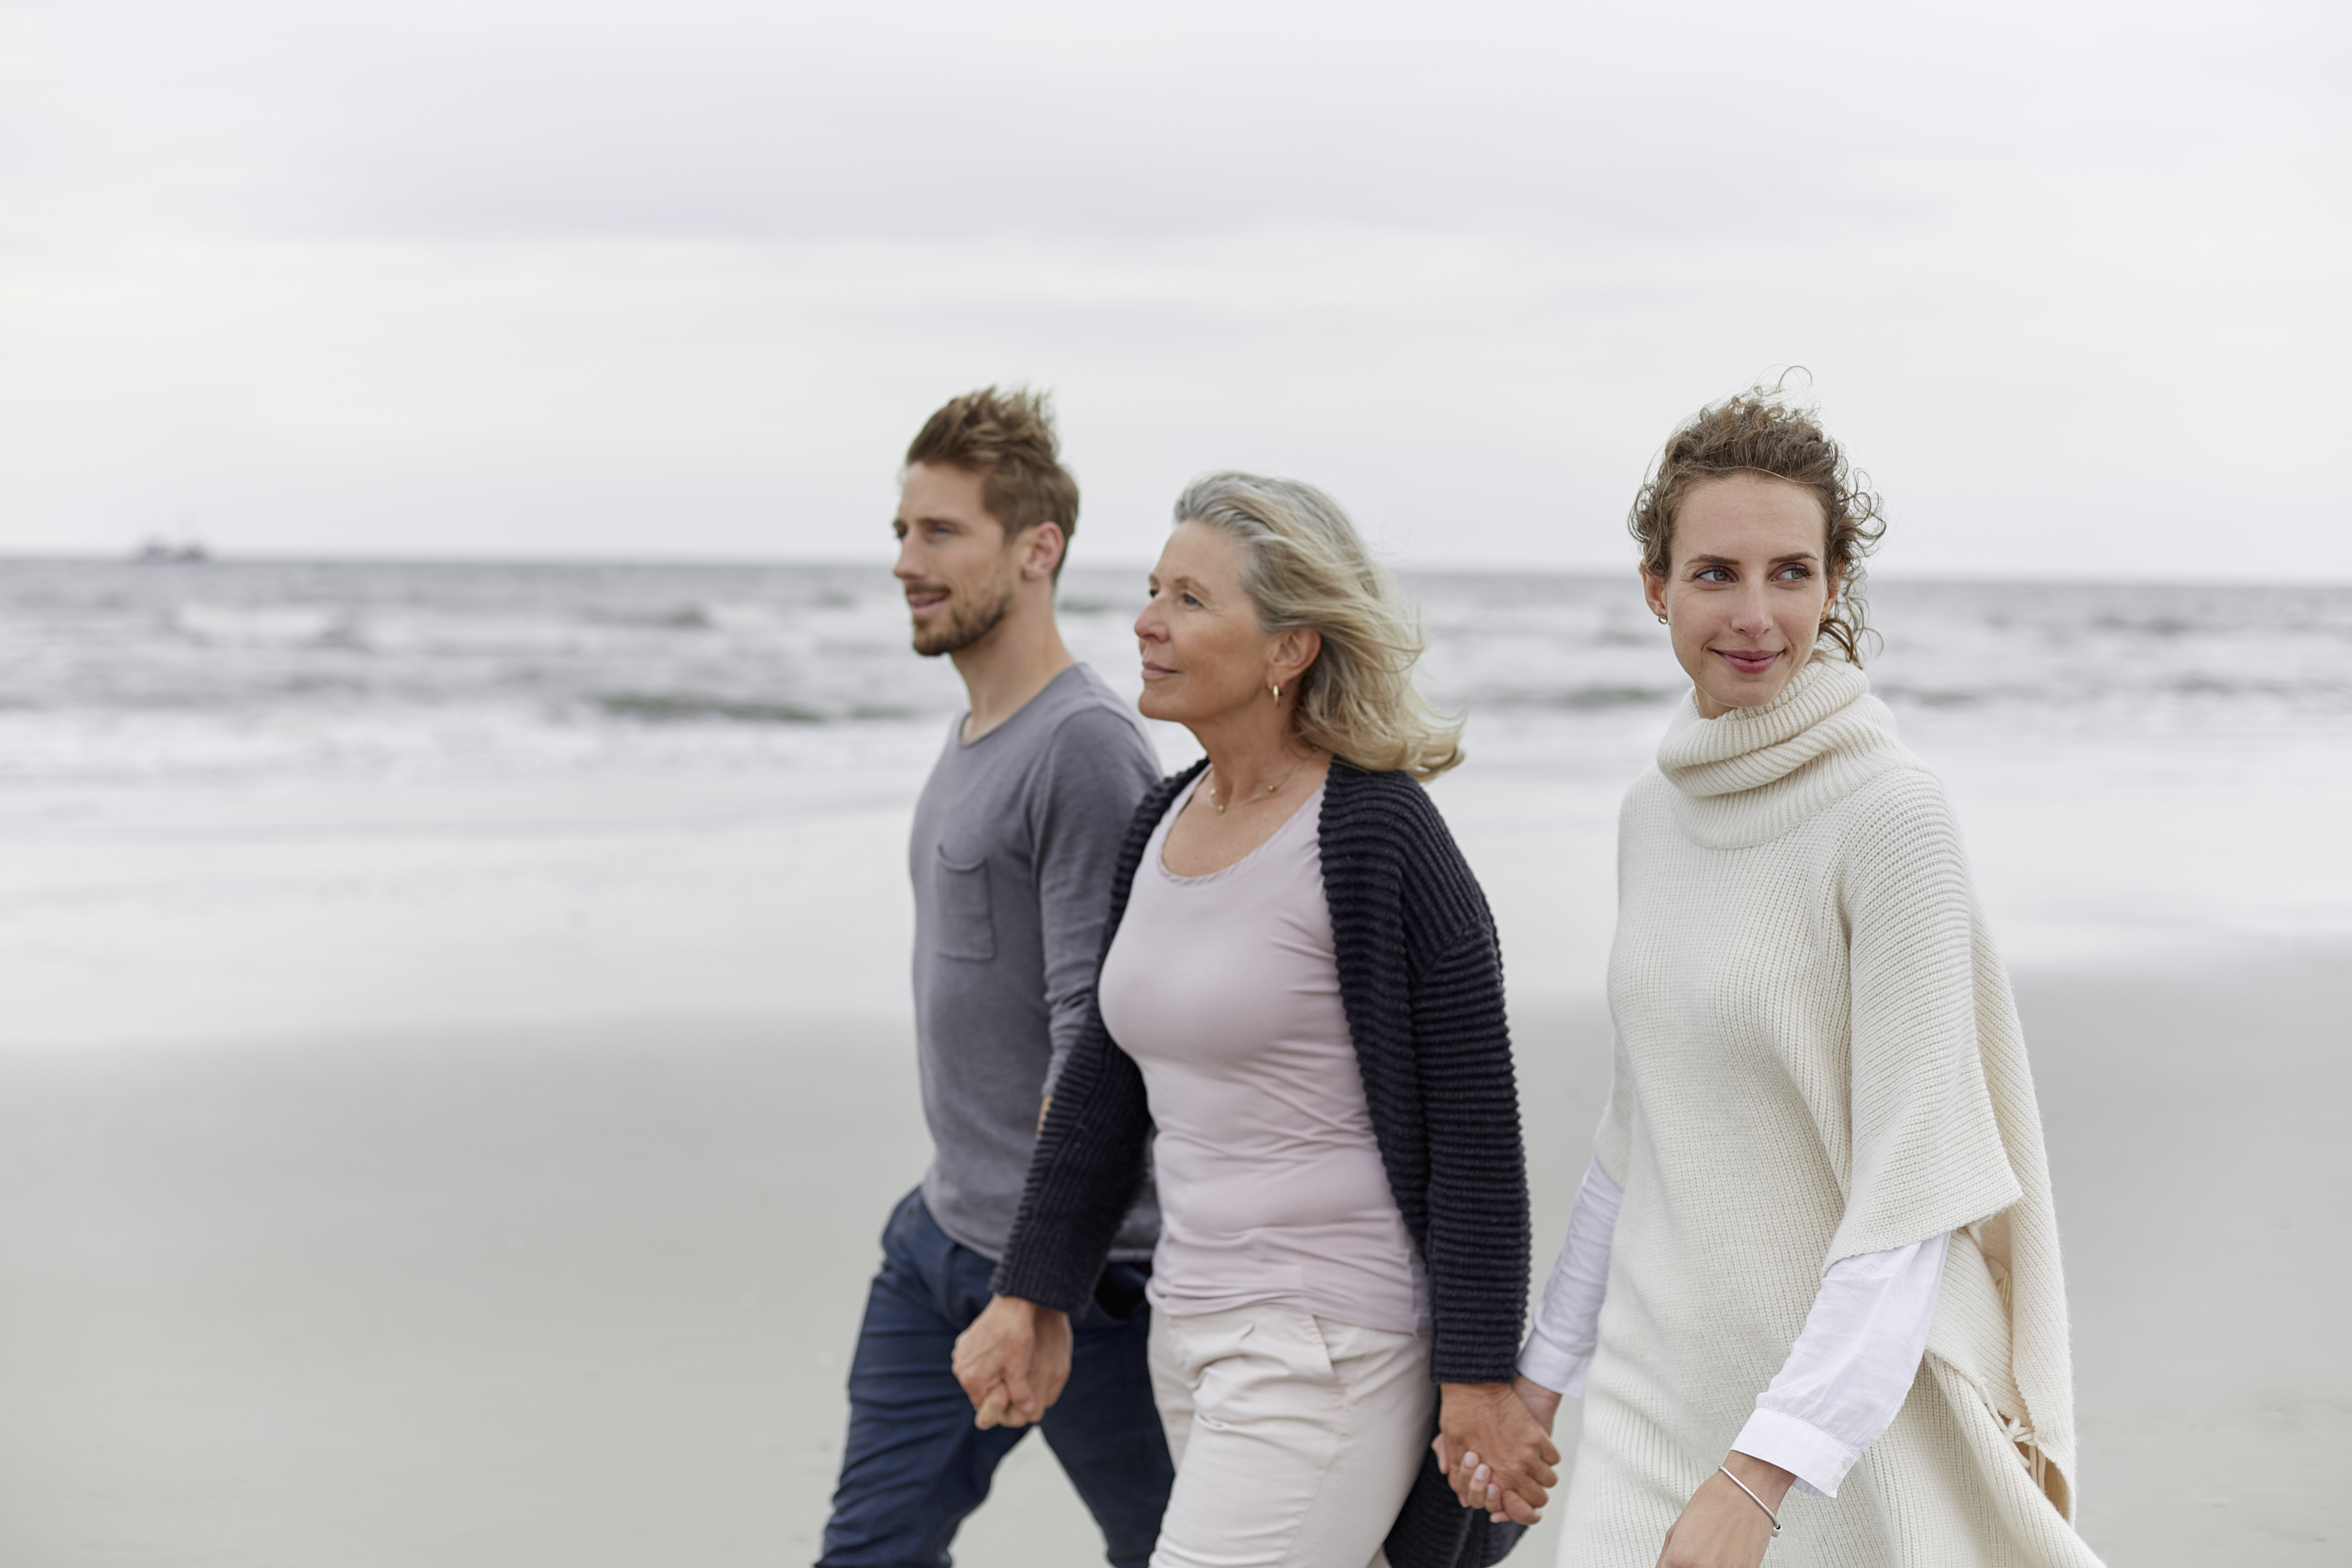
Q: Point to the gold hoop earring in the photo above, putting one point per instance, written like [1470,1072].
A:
[1277,694]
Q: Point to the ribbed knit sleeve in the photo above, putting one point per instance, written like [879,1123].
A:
[1477,1242]
[1927,1155]
[1089,1161]
[1421,978]
[1612,1140]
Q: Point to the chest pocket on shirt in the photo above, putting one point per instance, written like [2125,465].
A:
[966,929]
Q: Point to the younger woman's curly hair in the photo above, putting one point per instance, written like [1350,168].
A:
[1756,432]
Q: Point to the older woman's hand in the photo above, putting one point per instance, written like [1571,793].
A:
[1494,1452]
[1014,1360]
[1473,1481]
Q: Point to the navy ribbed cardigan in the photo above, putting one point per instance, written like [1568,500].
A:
[1421,981]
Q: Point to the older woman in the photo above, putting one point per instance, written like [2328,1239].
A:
[1811,1286]
[1302,999]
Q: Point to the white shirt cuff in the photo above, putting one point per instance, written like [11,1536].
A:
[1818,1460]
[1554,1365]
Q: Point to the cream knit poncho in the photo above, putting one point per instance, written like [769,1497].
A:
[1817,1057]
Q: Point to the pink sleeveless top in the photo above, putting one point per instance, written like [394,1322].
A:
[1225,990]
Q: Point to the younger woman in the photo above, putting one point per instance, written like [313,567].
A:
[1810,1288]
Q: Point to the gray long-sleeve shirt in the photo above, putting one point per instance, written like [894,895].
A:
[1016,838]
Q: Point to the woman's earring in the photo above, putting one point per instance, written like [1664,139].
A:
[1278,694]
[1662,620]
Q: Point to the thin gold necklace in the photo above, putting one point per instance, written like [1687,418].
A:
[1270,788]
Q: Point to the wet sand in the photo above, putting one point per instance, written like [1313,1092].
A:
[584,1295]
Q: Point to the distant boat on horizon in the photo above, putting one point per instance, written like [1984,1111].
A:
[163,552]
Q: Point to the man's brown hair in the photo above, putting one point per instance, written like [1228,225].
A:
[1007,438]
[1757,433]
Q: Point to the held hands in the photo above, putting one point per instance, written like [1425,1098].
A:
[1014,1360]
[1495,1446]
[1721,1527]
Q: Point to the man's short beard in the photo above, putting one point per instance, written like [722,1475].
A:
[967,625]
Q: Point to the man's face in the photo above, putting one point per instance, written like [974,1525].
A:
[957,568]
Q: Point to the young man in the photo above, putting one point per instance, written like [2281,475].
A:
[1014,841]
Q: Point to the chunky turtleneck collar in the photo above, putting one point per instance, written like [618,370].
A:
[1754,774]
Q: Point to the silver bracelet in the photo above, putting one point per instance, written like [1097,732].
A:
[1753,1498]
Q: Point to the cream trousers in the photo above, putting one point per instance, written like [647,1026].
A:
[1296,1438]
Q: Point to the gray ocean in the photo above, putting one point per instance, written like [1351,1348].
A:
[125,676]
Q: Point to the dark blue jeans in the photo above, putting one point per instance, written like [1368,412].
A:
[915,1467]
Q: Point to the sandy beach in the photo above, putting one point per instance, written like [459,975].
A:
[584,1296]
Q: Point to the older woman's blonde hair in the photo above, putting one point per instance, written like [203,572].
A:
[1307,568]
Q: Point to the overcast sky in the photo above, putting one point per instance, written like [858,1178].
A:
[2073,281]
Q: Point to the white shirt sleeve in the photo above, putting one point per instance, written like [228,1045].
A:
[1568,1320]
[1849,1373]
[1852,1367]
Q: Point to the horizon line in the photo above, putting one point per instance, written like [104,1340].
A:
[215,558]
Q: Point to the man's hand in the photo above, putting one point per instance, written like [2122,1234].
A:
[1721,1527]
[1492,1449]
[1014,1360]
